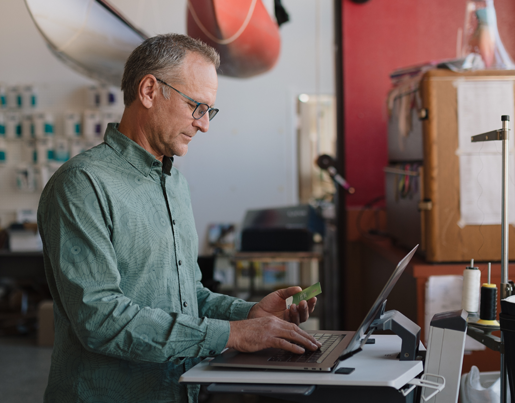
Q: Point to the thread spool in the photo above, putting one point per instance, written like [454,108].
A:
[470,291]
[488,306]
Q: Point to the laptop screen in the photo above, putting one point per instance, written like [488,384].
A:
[363,329]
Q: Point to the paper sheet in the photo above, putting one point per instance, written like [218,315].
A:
[443,294]
[480,106]
[481,189]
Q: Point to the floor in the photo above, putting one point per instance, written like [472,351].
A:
[24,370]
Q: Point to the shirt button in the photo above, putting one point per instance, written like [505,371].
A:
[173,222]
[212,352]
[185,304]
[180,262]
[156,163]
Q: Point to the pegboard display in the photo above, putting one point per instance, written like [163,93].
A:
[36,137]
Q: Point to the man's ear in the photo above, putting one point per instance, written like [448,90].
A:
[148,90]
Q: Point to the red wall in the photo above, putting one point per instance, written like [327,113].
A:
[378,37]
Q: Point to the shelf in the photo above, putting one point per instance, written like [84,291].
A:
[277,256]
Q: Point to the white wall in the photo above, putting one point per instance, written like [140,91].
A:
[248,157]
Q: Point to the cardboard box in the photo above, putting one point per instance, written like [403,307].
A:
[46,324]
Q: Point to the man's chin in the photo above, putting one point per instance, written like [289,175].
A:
[180,153]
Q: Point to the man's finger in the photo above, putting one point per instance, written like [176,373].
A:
[288,292]
[310,337]
[294,315]
[285,345]
[311,304]
[303,311]
[299,336]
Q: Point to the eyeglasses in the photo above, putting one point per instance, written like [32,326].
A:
[200,110]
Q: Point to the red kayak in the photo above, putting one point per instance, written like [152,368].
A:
[242,31]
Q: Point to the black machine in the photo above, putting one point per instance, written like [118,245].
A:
[283,229]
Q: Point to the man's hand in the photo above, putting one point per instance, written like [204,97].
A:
[274,304]
[257,334]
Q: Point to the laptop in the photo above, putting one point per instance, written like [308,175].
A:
[336,345]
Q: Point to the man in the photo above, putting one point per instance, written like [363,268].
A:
[120,248]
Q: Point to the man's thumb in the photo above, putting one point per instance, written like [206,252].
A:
[288,292]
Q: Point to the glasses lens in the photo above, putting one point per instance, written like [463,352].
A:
[212,113]
[200,111]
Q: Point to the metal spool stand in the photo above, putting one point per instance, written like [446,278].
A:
[506,288]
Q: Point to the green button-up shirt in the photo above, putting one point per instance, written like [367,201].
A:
[120,250]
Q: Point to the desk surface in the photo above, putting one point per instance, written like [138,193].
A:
[376,365]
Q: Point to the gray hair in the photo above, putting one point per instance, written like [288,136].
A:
[162,56]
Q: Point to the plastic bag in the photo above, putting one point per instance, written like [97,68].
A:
[481,388]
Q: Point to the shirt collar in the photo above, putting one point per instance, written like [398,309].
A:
[133,153]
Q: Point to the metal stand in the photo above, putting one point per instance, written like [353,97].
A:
[506,288]
[484,335]
[403,327]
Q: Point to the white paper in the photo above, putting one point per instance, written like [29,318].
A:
[481,189]
[480,107]
[443,294]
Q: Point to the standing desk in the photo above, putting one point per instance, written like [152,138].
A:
[379,376]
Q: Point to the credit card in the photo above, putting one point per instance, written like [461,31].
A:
[304,295]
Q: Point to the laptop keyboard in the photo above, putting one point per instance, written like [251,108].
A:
[329,342]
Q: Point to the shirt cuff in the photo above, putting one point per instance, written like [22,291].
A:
[217,336]
[240,310]
[218,331]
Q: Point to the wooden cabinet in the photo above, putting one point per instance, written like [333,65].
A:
[444,240]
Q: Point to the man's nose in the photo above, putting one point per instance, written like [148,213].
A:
[203,123]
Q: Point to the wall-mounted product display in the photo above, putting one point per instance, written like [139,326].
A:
[43,124]
[34,142]
[3,151]
[100,97]
[18,96]
[61,152]
[25,177]
[72,122]
[3,96]
[12,125]
[92,124]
